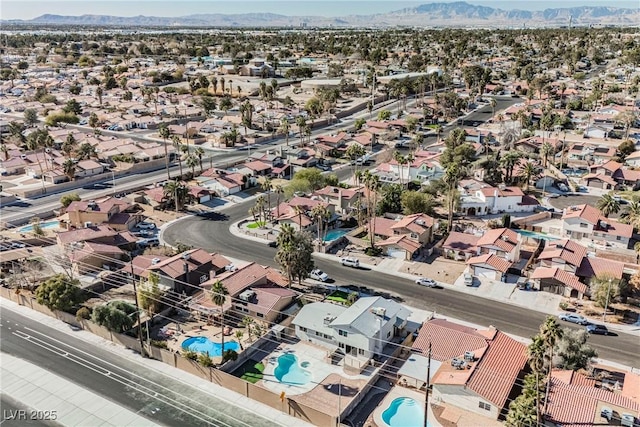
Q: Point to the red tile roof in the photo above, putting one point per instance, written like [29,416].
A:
[84,234]
[586,212]
[497,371]
[594,266]
[572,405]
[503,238]
[561,276]
[567,250]
[461,242]
[495,262]
[414,219]
[383,226]
[448,339]
[504,192]
[403,241]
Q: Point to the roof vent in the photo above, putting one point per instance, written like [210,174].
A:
[505,237]
[379,311]
[328,319]
[469,356]
[246,295]
[155,261]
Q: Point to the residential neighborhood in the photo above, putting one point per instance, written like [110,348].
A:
[323,226]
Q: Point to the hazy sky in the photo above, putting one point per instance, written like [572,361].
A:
[27,9]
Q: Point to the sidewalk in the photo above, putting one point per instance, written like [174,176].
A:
[64,401]
[507,293]
[232,398]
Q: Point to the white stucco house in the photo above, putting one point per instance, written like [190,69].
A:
[358,332]
[493,200]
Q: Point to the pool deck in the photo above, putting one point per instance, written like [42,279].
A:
[399,391]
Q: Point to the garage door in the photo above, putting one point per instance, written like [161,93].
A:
[205,199]
[485,272]
[396,253]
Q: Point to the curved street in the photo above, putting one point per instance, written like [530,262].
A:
[211,232]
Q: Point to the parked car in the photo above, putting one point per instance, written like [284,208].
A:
[429,283]
[273,244]
[146,225]
[583,189]
[597,329]
[318,274]
[350,262]
[573,318]
[468,279]
[324,168]
[17,245]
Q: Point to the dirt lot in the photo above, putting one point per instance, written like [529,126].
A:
[437,268]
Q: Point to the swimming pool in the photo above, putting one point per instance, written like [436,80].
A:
[205,345]
[535,235]
[44,225]
[404,412]
[335,234]
[289,370]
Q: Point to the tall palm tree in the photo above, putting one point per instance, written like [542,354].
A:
[509,162]
[451,178]
[86,151]
[191,161]
[321,214]
[608,205]
[176,191]
[372,184]
[267,185]
[285,256]
[545,151]
[260,206]
[69,168]
[69,145]
[302,123]
[218,296]
[279,190]
[493,104]
[99,93]
[633,216]
[177,144]
[550,333]
[528,172]
[164,133]
[400,159]
[199,152]
[284,128]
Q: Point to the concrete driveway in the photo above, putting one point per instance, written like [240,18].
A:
[567,200]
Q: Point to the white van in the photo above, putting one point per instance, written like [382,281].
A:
[468,279]
[350,262]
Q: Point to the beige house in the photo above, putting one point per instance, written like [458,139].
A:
[109,211]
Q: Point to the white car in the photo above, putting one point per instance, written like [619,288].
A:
[350,262]
[573,318]
[429,283]
[320,275]
[146,225]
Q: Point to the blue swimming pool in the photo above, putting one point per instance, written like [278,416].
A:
[404,412]
[335,234]
[44,225]
[289,371]
[205,345]
[535,235]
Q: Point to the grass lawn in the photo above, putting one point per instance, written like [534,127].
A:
[338,296]
[251,371]
[256,224]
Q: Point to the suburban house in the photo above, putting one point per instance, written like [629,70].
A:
[345,201]
[489,266]
[222,182]
[494,200]
[70,240]
[576,400]
[254,290]
[502,242]
[469,360]
[91,257]
[185,272]
[403,237]
[588,223]
[610,175]
[357,332]
[116,213]
[633,159]
[460,246]
[297,212]
[564,254]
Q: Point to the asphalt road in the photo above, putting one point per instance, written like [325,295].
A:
[151,394]
[212,233]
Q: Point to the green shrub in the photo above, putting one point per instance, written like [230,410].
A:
[205,360]
[375,251]
[229,355]
[159,344]
[83,313]
[190,354]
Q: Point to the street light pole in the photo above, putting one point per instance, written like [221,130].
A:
[606,304]
[135,292]
[426,394]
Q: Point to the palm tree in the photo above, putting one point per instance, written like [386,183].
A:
[69,145]
[99,93]
[191,161]
[279,190]
[218,296]
[633,215]
[164,133]
[249,324]
[284,128]
[451,177]
[608,205]
[546,150]
[528,172]
[260,206]
[509,162]
[550,333]
[5,151]
[285,256]
[177,144]
[372,184]
[321,215]
[493,104]
[302,123]
[176,191]
[400,159]
[199,152]
[86,151]
[69,168]
[267,185]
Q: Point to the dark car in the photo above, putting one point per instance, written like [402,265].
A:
[273,244]
[597,329]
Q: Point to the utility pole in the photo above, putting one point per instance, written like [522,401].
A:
[135,292]
[426,394]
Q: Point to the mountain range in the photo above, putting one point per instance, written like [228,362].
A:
[457,14]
